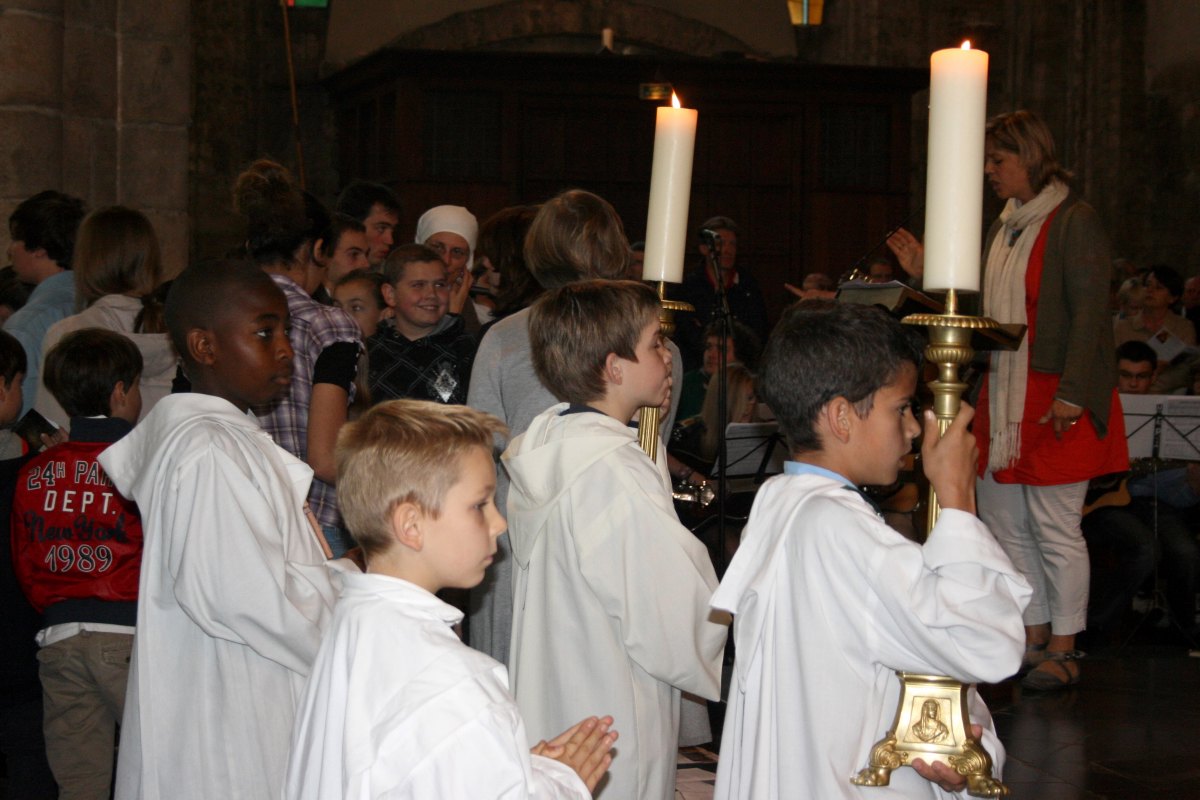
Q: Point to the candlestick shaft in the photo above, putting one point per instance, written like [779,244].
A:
[649,418]
[949,348]
[648,427]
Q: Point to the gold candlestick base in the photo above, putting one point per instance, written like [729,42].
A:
[932,724]
[648,418]
[931,720]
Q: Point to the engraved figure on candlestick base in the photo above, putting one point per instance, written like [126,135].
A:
[928,728]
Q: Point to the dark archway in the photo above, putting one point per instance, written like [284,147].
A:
[542,25]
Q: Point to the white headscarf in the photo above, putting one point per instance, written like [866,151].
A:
[449,219]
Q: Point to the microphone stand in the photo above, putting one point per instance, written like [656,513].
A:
[722,316]
[855,271]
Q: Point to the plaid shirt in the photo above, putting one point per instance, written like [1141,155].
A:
[435,367]
[314,328]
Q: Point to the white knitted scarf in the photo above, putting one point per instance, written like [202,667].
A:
[1004,301]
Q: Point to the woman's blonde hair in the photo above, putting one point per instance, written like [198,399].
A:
[1024,133]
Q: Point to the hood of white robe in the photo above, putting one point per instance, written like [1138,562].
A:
[134,463]
[546,460]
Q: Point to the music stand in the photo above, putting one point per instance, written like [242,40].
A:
[753,449]
[1161,427]
[754,452]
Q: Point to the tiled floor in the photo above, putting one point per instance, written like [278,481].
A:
[1127,732]
[696,775]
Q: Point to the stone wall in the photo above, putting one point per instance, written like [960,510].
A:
[1078,63]
[1131,133]
[94,101]
[243,109]
[1172,121]
[159,105]
[757,28]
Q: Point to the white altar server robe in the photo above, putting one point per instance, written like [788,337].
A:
[232,599]
[828,601]
[610,595]
[397,707]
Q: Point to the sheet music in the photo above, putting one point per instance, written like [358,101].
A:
[1179,427]
[1167,346]
[746,445]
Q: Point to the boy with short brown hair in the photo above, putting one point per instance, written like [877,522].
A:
[396,705]
[77,550]
[610,591]
[425,352]
[827,599]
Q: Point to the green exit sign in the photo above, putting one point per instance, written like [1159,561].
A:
[654,91]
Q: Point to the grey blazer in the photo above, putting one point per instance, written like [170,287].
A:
[1074,325]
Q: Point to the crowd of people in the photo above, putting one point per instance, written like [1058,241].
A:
[355,511]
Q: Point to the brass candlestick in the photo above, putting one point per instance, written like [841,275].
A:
[931,717]
[648,419]
[949,348]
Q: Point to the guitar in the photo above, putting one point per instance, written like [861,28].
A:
[1113,490]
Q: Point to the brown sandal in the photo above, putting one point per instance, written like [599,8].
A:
[1034,654]
[1054,673]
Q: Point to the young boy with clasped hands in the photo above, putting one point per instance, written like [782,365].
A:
[397,706]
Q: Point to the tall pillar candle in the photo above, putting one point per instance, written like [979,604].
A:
[670,193]
[954,182]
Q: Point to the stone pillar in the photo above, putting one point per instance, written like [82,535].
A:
[89,103]
[95,101]
[154,113]
[31,79]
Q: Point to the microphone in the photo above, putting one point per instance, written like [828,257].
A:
[711,238]
[855,271]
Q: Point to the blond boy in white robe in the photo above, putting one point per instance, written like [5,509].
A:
[398,707]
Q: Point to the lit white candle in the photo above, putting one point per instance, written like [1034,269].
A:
[954,182]
[670,193]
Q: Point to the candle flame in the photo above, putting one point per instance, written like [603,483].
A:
[966,45]
[675,100]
